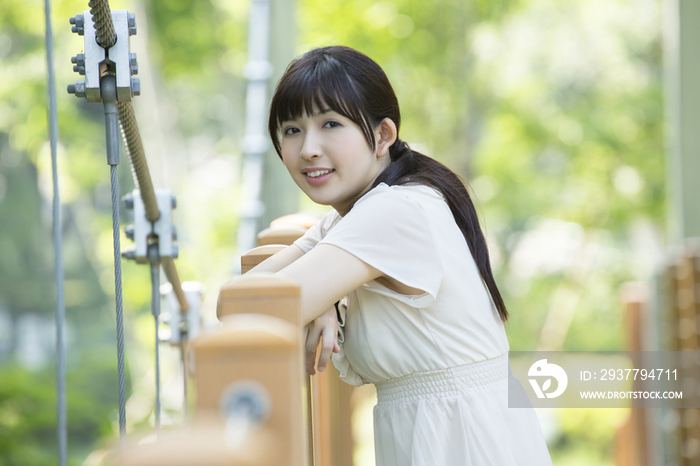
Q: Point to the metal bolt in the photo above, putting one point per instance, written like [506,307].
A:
[79,22]
[78,59]
[134,64]
[132,24]
[128,201]
[135,86]
[78,88]
[129,231]
[174,230]
[173,201]
[129,254]
[79,69]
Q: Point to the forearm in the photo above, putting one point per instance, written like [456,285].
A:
[325,275]
[279,261]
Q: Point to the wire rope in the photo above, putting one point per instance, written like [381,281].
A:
[61,418]
[137,156]
[105,35]
[120,309]
[153,258]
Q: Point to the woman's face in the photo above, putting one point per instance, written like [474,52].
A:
[329,158]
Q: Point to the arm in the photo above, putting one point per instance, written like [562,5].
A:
[279,261]
[326,274]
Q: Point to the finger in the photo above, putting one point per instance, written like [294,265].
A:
[336,347]
[310,361]
[327,347]
[313,338]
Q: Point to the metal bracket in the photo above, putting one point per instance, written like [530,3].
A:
[191,321]
[95,60]
[142,230]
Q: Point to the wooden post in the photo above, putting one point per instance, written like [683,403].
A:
[260,294]
[302,220]
[205,444]
[249,384]
[255,256]
[631,438]
[330,409]
[688,307]
[282,235]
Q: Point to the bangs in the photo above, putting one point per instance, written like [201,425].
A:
[313,88]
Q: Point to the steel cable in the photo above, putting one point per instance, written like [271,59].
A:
[61,418]
[104,26]
[153,259]
[120,308]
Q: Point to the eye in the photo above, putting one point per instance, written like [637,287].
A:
[288,131]
[332,124]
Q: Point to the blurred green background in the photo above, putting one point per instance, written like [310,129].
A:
[550,109]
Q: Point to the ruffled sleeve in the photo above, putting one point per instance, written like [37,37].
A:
[388,230]
[317,232]
[340,361]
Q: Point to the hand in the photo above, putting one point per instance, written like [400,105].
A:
[323,328]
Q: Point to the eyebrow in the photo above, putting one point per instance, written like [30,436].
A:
[320,112]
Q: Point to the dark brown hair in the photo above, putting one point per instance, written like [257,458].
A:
[352,84]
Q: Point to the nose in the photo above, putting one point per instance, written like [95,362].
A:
[311,148]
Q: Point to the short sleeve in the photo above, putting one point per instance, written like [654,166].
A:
[316,233]
[389,230]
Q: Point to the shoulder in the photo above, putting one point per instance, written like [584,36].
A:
[394,197]
[327,221]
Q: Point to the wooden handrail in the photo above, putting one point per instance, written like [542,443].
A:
[329,399]
[249,380]
[281,235]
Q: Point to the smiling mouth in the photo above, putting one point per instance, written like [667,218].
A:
[317,173]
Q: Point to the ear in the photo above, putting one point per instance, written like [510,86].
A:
[385,134]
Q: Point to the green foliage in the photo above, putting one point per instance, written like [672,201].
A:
[28,413]
[552,110]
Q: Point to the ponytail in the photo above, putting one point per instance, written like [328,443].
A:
[409,166]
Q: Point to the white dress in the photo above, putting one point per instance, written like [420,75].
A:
[439,360]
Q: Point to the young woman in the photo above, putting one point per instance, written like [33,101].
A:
[424,318]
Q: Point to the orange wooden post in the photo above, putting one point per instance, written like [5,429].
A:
[631,437]
[330,408]
[302,220]
[688,312]
[249,260]
[260,341]
[203,445]
[281,235]
[255,256]
[249,383]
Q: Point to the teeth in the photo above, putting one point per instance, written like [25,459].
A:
[318,173]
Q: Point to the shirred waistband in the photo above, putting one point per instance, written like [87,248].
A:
[443,383]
